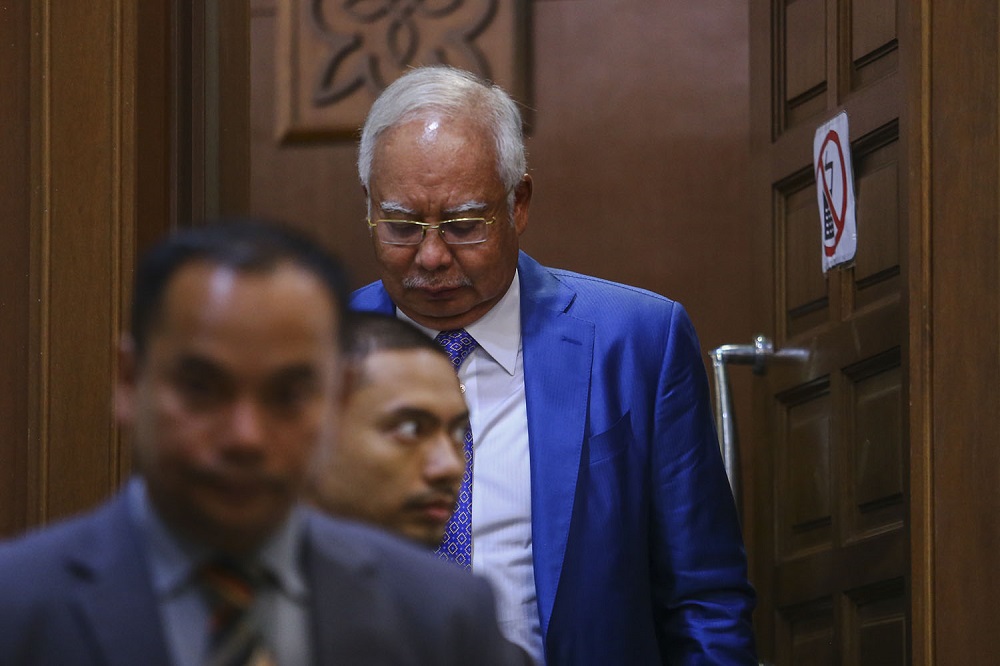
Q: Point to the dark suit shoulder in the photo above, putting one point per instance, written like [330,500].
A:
[53,578]
[44,550]
[370,548]
[396,603]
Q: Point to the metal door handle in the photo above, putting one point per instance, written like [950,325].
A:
[759,354]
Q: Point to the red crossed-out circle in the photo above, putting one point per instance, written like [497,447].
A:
[838,219]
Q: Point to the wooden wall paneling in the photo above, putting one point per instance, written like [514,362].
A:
[16,431]
[210,82]
[155,199]
[97,132]
[313,186]
[82,170]
[965,366]
[234,108]
[915,59]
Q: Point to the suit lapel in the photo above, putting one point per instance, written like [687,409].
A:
[558,355]
[114,593]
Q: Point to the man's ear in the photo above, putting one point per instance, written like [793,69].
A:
[522,201]
[126,380]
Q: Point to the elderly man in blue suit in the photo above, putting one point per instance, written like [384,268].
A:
[229,383]
[595,498]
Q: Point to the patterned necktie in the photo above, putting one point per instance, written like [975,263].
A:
[457,542]
[234,637]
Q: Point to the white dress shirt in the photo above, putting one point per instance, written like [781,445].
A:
[493,380]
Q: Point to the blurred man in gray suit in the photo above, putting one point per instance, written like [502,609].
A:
[229,381]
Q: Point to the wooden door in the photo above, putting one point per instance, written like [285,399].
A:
[830,537]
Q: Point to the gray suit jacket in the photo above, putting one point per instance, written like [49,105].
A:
[79,593]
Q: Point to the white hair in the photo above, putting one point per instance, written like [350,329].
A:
[453,92]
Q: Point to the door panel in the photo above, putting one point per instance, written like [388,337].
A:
[830,562]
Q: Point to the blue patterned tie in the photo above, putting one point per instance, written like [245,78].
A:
[457,542]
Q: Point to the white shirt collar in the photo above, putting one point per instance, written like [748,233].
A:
[498,332]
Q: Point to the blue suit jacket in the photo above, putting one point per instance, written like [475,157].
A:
[638,554]
[79,594]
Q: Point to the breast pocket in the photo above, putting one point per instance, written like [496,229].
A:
[612,442]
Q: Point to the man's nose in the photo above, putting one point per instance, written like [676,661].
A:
[443,462]
[433,253]
[246,426]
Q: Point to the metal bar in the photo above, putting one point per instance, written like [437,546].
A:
[758,355]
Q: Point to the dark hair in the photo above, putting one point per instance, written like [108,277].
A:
[243,244]
[369,332]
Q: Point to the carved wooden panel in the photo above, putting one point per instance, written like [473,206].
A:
[877,458]
[806,298]
[874,40]
[808,634]
[333,57]
[876,172]
[803,79]
[803,494]
[876,625]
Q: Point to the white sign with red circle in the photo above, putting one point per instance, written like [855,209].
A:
[835,191]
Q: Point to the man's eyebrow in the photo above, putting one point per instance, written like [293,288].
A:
[396,208]
[467,207]
[302,372]
[472,206]
[405,412]
[190,363]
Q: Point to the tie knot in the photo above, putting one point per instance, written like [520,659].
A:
[458,343]
[230,585]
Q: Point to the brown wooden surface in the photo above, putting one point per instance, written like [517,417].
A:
[15,245]
[86,138]
[831,563]
[81,172]
[915,70]
[234,108]
[965,367]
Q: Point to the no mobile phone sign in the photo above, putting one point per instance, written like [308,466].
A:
[835,191]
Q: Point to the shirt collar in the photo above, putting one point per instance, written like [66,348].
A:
[173,559]
[498,332]
[281,556]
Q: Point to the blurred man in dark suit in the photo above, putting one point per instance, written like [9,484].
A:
[229,381]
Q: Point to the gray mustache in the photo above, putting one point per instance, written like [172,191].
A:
[429,282]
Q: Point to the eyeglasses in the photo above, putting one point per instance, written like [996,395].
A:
[459,231]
